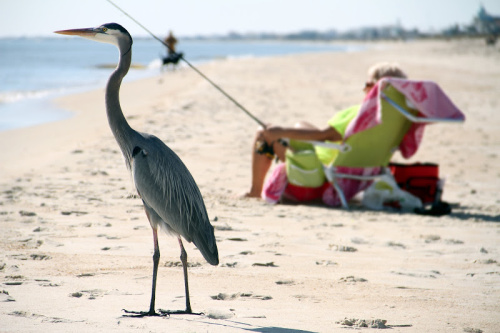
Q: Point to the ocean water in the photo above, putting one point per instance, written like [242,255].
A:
[35,70]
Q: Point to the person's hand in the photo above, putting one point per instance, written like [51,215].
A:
[272,133]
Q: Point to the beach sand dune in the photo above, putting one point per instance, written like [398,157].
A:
[76,247]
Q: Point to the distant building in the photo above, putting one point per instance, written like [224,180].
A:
[486,23]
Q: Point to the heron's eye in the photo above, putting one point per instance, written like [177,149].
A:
[104,29]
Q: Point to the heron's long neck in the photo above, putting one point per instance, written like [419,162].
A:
[117,122]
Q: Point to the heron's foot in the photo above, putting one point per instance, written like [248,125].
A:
[142,314]
[179,312]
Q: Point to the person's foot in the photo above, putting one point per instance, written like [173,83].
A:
[250,195]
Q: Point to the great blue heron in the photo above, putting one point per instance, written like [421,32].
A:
[169,193]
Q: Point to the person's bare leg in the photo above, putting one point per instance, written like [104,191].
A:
[262,163]
[279,150]
[260,167]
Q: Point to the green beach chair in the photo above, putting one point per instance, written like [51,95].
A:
[373,147]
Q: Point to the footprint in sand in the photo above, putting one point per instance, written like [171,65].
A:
[179,264]
[326,263]
[352,279]
[43,318]
[225,227]
[86,275]
[267,264]
[342,248]
[33,256]
[432,274]
[26,213]
[46,283]
[237,239]
[396,245]
[353,322]
[108,237]
[41,256]
[430,238]
[227,297]
[5,297]
[218,314]
[90,294]
[453,241]
[285,282]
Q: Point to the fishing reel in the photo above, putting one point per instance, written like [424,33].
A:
[263,148]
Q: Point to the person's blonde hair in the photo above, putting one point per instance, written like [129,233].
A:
[385,69]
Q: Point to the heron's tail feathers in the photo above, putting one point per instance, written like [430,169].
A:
[205,242]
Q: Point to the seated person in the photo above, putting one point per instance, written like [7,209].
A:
[261,162]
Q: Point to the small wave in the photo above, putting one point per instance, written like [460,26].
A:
[155,64]
[241,56]
[16,96]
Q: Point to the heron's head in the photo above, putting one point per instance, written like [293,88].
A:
[111,33]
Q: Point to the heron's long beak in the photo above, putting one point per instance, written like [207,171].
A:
[87,32]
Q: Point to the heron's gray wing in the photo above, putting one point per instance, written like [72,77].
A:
[166,186]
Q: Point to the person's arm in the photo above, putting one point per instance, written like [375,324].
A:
[274,133]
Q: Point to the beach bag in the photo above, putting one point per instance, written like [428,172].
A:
[385,193]
[419,179]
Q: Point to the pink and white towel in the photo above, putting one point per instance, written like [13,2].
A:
[426,96]
[276,185]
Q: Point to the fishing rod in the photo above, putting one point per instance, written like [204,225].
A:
[242,108]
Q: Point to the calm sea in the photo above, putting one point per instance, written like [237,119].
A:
[35,70]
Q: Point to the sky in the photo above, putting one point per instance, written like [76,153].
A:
[26,18]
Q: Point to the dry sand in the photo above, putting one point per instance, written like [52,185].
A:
[76,247]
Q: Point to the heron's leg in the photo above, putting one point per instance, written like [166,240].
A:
[186,286]
[184,267]
[156,260]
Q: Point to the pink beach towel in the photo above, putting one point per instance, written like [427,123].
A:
[426,96]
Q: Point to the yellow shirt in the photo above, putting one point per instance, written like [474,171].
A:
[339,122]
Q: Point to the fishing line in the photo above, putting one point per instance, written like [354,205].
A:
[193,67]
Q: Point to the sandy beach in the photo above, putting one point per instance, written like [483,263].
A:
[76,247]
